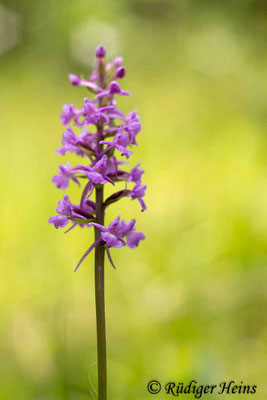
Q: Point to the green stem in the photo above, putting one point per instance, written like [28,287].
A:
[99,269]
[100,302]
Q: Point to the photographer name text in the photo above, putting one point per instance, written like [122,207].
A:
[198,390]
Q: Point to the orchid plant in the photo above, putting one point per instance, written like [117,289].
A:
[104,154]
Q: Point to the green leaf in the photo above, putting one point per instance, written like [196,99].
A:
[116,197]
[82,221]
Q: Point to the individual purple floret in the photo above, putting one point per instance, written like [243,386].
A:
[70,113]
[68,212]
[114,235]
[138,193]
[97,173]
[132,126]
[136,174]
[66,172]
[114,88]
[81,145]
[69,144]
[95,114]
[100,133]
[76,81]
[64,209]
[120,142]
[117,230]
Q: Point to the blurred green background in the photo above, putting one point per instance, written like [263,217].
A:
[190,302]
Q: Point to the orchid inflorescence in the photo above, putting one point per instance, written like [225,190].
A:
[104,153]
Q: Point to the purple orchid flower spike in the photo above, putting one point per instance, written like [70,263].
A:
[104,168]
[101,134]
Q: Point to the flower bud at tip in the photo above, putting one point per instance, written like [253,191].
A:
[74,80]
[120,73]
[100,52]
[118,61]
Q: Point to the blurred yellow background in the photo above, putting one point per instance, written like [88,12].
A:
[190,302]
